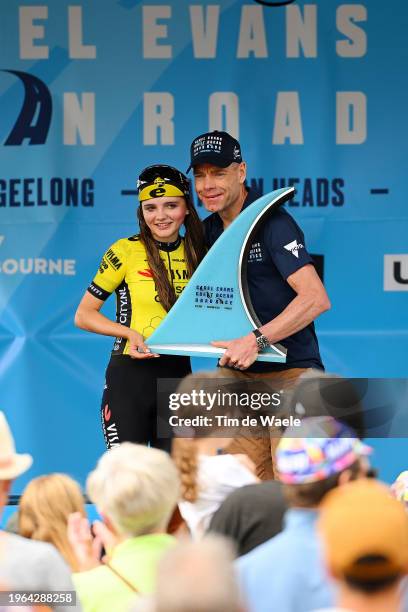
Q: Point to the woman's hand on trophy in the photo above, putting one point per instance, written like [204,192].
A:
[240,353]
[137,347]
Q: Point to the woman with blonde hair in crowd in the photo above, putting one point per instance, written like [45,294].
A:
[44,508]
[207,474]
[135,489]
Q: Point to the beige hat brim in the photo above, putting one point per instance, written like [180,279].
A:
[19,465]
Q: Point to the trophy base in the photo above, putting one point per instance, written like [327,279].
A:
[207,350]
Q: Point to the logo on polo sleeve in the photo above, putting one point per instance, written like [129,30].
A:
[294,247]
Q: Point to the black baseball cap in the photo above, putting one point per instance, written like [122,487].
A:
[216,148]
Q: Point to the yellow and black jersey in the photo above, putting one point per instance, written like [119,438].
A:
[124,269]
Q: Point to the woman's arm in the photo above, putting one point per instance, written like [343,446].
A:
[89,317]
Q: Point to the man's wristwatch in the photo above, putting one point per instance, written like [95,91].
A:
[261,340]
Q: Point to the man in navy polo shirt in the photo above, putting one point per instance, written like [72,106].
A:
[285,289]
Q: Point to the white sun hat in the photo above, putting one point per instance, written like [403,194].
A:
[11,463]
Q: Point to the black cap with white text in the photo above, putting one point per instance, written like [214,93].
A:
[215,148]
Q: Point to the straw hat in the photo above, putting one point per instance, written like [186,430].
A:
[11,463]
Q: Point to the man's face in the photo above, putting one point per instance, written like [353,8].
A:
[219,188]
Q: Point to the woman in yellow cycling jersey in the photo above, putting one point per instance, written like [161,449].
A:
[147,271]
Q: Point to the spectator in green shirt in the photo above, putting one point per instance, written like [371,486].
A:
[135,489]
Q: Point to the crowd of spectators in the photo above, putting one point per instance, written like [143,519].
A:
[197,531]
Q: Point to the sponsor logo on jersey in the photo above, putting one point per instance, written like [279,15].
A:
[107,413]
[95,290]
[103,266]
[396,272]
[124,314]
[110,431]
[112,436]
[116,346]
[113,259]
[179,274]
[146,272]
[255,253]
[109,259]
[294,247]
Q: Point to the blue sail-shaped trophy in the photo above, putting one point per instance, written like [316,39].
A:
[216,304]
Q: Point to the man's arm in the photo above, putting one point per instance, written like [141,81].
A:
[311,300]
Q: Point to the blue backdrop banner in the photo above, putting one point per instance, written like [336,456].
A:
[91,93]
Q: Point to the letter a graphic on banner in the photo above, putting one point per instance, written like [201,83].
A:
[37,105]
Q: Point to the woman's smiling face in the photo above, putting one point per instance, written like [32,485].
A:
[164,216]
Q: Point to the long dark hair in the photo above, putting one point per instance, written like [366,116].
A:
[194,248]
